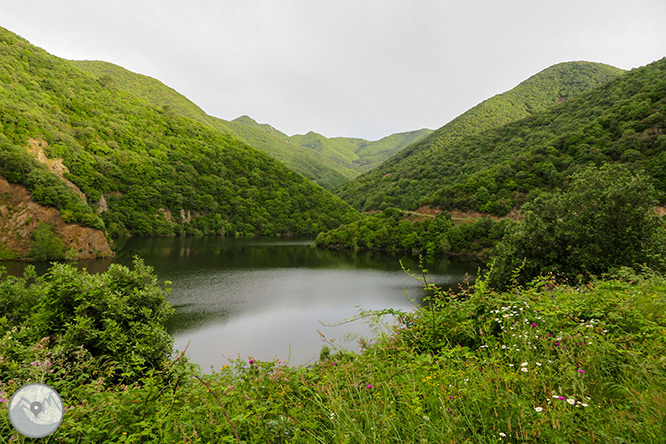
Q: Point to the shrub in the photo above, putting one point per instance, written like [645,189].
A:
[116,317]
[46,245]
[604,221]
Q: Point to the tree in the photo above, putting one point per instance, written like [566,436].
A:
[46,245]
[604,221]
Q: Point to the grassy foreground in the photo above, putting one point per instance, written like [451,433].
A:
[548,363]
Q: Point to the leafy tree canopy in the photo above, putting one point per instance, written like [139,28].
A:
[452,153]
[160,173]
[603,221]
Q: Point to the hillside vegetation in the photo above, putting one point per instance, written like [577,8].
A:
[312,165]
[620,122]
[328,162]
[152,170]
[543,363]
[358,154]
[446,155]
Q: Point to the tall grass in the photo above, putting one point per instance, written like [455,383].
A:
[547,363]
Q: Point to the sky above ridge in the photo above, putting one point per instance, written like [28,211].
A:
[355,68]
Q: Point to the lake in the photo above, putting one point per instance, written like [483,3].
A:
[274,298]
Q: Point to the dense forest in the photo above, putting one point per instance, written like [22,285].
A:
[496,171]
[448,154]
[307,162]
[559,340]
[395,231]
[327,162]
[620,122]
[153,171]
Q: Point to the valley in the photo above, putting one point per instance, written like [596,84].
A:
[502,276]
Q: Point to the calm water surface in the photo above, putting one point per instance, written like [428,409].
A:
[272,298]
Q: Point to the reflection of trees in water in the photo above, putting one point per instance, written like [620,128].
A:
[185,319]
[173,256]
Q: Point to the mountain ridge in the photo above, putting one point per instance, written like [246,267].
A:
[413,173]
[159,173]
[334,164]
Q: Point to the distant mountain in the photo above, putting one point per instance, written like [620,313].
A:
[328,162]
[425,166]
[311,164]
[263,137]
[358,155]
[111,160]
[622,121]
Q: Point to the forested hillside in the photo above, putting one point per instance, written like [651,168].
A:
[620,122]
[309,163]
[444,156]
[147,169]
[358,154]
[328,162]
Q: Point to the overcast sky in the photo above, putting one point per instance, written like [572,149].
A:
[357,68]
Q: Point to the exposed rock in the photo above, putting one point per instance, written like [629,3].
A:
[56,166]
[101,205]
[20,216]
[187,217]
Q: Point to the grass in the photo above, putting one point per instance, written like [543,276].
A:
[548,363]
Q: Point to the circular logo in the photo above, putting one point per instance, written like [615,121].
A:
[36,410]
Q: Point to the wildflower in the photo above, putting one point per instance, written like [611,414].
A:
[369,386]
[561,398]
[581,371]
[534,324]
[523,369]
[538,409]
[502,434]
[557,343]
[571,401]
[524,364]
[3,400]
[251,361]
[583,404]
[538,363]
[450,397]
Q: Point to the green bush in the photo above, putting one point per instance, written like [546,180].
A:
[116,317]
[605,220]
[45,244]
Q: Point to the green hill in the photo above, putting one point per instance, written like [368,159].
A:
[149,170]
[149,89]
[426,165]
[328,162]
[623,121]
[312,165]
[358,155]
[374,153]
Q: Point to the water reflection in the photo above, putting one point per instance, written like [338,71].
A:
[269,297]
